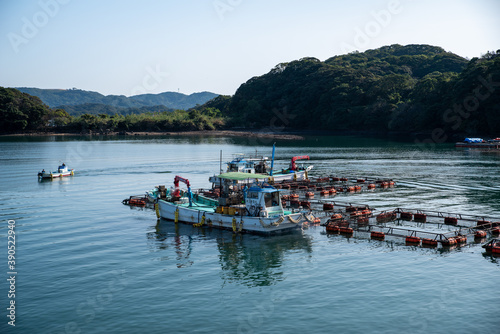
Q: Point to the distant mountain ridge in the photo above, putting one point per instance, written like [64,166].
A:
[73,97]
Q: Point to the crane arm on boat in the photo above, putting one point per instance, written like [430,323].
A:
[293,165]
[177,191]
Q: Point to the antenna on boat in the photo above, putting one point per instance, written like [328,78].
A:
[272,160]
[220,170]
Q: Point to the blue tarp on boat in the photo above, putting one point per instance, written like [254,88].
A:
[473,140]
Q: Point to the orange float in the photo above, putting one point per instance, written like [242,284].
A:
[327,206]
[377,235]
[480,235]
[449,242]
[450,220]
[413,240]
[429,242]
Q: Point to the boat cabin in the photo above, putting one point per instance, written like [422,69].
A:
[263,201]
[246,164]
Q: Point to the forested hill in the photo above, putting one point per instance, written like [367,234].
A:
[21,111]
[413,88]
[76,97]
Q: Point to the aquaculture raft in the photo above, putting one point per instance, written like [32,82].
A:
[350,219]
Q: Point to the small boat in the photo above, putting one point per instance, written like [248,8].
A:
[479,143]
[61,171]
[256,208]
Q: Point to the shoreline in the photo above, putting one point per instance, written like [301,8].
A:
[216,133]
[284,135]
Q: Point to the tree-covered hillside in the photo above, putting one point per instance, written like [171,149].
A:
[393,88]
[97,108]
[62,98]
[20,111]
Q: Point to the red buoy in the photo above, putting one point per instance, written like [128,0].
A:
[406,215]
[305,204]
[450,220]
[327,206]
[332,228]
[336,217]
[413,240]
[429,242]
[461,239]
[420,217]
[480,235]
[449,242]
[346,230]
[377,235]
[483,222]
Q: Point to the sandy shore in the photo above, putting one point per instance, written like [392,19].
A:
[218,133]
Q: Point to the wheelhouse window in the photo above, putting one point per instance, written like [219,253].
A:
[272,199]
[252,195]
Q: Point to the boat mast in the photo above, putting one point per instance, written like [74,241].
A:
[272,159]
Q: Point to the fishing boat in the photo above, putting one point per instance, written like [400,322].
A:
[255,164]
[479,143]
[61,171]
[255,208]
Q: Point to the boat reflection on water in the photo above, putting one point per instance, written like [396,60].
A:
[253,260]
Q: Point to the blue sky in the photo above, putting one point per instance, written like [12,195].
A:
[153,46]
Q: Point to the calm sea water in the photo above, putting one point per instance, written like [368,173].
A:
[86,263]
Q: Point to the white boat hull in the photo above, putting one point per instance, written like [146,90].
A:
[54,175]
[236,223]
